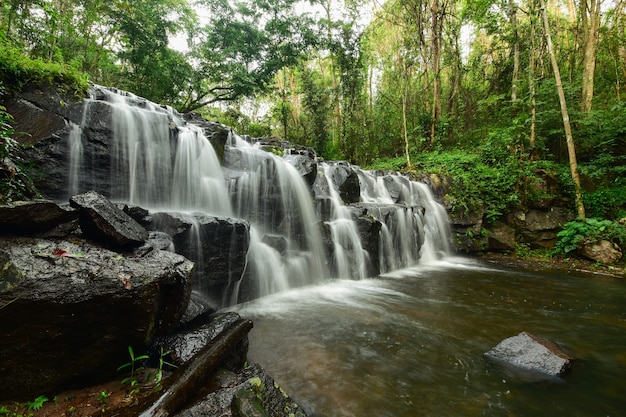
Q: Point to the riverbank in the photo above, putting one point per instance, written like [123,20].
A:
[542,263]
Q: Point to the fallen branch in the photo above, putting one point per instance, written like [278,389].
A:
[188,378]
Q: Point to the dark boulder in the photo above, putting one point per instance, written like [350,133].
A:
[306,165]
[103,221]
[70,310]
[217,245]
[531,353]
[369,228]
[34,216]
[234,398]
[196,334]
[501,237]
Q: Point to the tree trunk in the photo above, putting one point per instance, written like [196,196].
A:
[590,15]
[405,131]
[436,57]
[531,82]
[336,121]
[516,48]
[571,150]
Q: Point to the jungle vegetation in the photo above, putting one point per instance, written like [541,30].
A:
[488,92]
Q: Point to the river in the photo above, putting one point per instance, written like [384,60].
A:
[411,343]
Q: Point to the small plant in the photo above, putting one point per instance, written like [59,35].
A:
[37,403]
[580,232]
[132,380]
[133,361]
[158,377]
[103,396]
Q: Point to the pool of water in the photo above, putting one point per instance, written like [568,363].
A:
[411,343]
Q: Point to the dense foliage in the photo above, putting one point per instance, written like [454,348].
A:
[464,88]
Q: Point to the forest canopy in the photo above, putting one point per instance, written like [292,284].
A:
[487,91]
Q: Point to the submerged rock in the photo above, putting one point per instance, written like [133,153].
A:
[532,353]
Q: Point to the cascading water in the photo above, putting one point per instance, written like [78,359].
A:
[349,257]
[285,246]
[414,226]
[155,159]
[147,167]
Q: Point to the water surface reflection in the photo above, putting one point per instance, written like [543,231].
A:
[411,343]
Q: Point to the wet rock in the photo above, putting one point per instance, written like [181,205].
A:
[48,106]
[217,245]
[233,396]
[501,237]
[305,163]
[102,220]
[34,216]
[350,189]
[278,242]
[602,251]
[70,310]
[369,228]
[198,306]
[216,133]
[531,353]
[194,336]
[161,241]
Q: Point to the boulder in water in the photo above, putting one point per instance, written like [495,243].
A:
[532,353]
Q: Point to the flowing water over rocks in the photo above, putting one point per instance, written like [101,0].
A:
[302,220]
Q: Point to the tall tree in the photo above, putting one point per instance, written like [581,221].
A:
[565,114]
[516,50]
[590,22]
[242,47]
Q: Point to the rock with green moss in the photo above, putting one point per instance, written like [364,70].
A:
[250,393]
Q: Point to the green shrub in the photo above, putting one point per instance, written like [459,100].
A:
[577,233]
[18,69]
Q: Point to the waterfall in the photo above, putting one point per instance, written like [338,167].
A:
[285,248]
[350,223]
[155,160]
[349,257]
[414,226]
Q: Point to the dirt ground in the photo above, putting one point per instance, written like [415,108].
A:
[111,399]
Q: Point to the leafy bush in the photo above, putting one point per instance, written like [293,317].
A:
[14,184]
[18,69]
[607,202]
[577,233]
